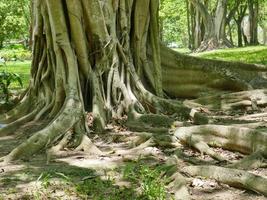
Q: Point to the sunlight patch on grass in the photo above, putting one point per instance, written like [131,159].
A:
[182,50]
[253,54]
[21,68]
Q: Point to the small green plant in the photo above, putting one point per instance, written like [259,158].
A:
[6,78]
[45,180]
[98,189]
[149,179]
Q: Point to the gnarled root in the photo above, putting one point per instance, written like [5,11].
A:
[229,101]
[232,177]
[88,147]
[63,123]
[177,182]
[253,161]
[137,150]
[244,140]
[198,75]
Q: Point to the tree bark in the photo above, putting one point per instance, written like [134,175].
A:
[191,77]
[99,57]
[105,57]
[253,7]
[214,35]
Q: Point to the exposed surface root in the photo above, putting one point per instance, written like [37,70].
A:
[139,150]
[253,161]
[88,147]
[232,177]
[62,124]
[104,57]
[254,99]
[233,138]
[198,76]
[178,182]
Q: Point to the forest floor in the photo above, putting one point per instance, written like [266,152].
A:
[125,169]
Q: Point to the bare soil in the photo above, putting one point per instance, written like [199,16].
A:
[26,179]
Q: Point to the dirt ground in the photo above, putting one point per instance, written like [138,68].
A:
[28,179]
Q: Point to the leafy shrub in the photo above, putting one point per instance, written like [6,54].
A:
[14,46]
[6,78]
[15,54]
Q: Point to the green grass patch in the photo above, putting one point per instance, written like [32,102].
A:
[253,54]
[146,183]
[15,52]
[148,178]
[183,50]
[22,69]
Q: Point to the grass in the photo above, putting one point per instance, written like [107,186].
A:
[146,183]
[183,50]
[252,54]
[15,52]
[21,68]
[148,179]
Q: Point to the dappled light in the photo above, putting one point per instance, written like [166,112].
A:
[133,99]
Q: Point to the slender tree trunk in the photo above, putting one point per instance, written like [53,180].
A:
[264,35]
[230,34]
[193,25]
[239,33]
[188,25]
[253,7]
[197,31]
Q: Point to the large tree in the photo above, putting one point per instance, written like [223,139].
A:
[214,24]
[105,57]
[101,56]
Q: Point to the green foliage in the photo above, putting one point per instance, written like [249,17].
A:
[173,22]
[21,68]
[91,187]
[6,78]
[17,53]
[14,19]
[98,189]
[146,183]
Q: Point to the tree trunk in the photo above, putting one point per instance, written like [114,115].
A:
[190,40]
[220,19]
[107,59]
[253,7]
[264,35]
[214,35]
[189,77]
[241,12]
[103,59]
[239,33]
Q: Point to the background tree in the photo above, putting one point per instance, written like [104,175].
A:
[253,8]
[214,24]
[233,22]
[239,18]
[173,22]
[13,20]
